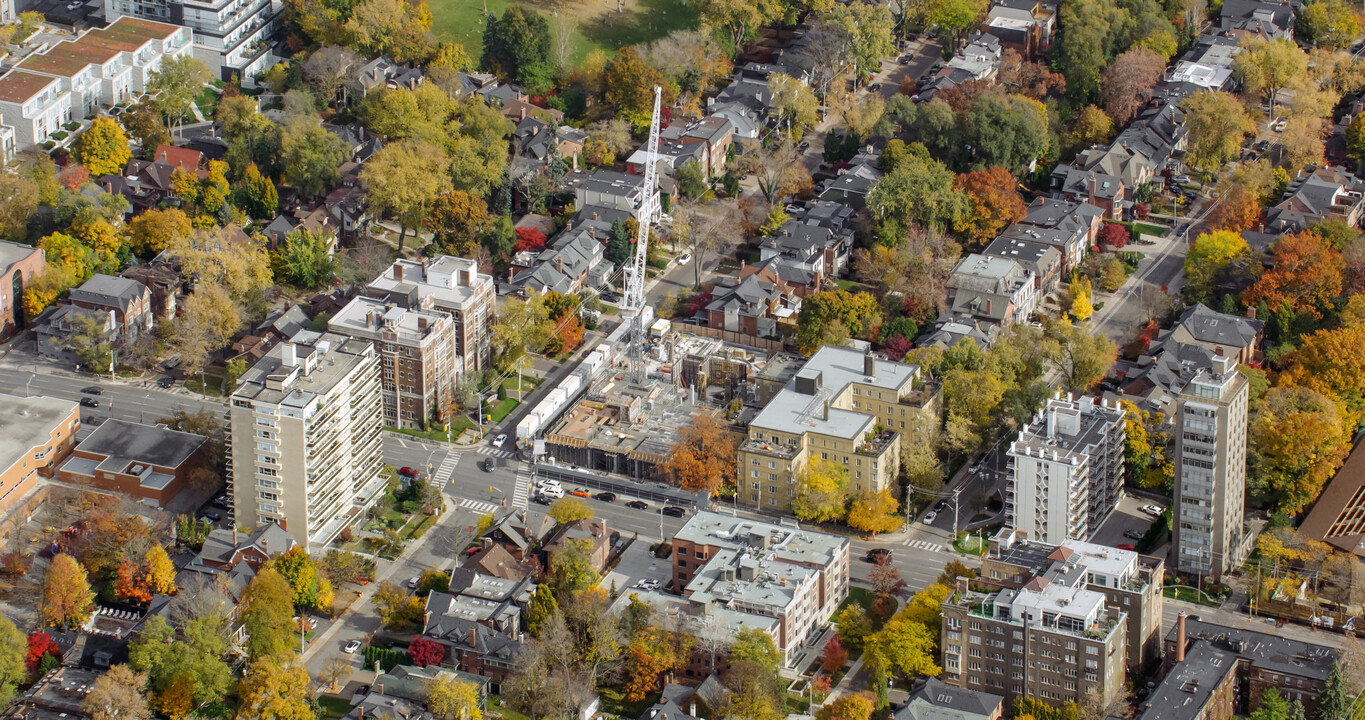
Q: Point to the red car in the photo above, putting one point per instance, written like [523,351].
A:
[1127,546]
[407,472]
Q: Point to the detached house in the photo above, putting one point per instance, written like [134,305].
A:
[995,289]
[1318,193]
[1100,189]
[1025,26]
[129,301]
[753,305]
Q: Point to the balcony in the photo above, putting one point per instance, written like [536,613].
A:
[873,445]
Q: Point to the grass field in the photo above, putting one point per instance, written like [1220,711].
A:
[596,24]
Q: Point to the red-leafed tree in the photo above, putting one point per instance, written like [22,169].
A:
[834,656]
[698,302]
[896,348]
[529,238]
[1142,210]
[40,644]
[1114,235]
[995,203]
[1306,275]
[425,651]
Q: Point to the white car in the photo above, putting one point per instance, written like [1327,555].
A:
[1153,509]
[648,584]
[499,440]
[351,647]
[414,581]
[929,517]
[685,258]
[553,491]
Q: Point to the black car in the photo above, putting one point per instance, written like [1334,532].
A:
[605,497]
[165,382]
[89,402]
[220,502]
[673,511]
[93,390]
[541,499]
[876,554]
[211,515]
[939,506]
[637,505]
[486,465]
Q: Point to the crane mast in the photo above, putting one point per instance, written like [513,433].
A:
[635,273]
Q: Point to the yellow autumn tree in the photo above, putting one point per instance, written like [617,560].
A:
[160,571]
[821,491]
[1081,306]
[874,512]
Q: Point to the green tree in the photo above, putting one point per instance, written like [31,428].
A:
[1273,707]
[1268,66]
[310,156]
[1087,40]
[517,45]
[1217,123]
[256,194]
[175,84]
[793,106]
[737,18]
[755,646]
[143,123]
[1355,140]
[1081,358]
[866,31]
[405,179]
[918,191]
[1333,24]
[304,259]
[933,124]
[311,588]
[572,568]
[268,610]
[103,149]
[857,313]
[456,220]
[854,626]
[821,491]
[540,609]
[690,181]
[1333,700]
[13,649]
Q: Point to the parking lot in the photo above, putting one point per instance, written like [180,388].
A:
[638,564]
[1127,517]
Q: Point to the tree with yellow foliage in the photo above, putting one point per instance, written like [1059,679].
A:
[874,512]
[821,491]
[160,572]
[1081,306]
[450,698]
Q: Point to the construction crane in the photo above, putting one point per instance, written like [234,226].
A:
[635,272]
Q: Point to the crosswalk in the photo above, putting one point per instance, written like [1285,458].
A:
[522,493]
[478,506]
[486,450]
[923,545]
[444,472]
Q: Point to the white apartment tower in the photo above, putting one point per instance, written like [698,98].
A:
[303,437]
[1210,464]
[1066,469]
[232,37]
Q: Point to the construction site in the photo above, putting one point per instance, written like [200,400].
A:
[628,428]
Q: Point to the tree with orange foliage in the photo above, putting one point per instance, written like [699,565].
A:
[995,203]
[568,336]
[1332,362]
[652,653]
[130,583]
[1306,275]
[1240,210]
[704,457]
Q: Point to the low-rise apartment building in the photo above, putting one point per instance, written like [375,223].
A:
[148,463]
[34,105]
[36,434]
[18,266]
[1129,581]
[1066,469]
[844,406]
[757,571]
[232,37]
[419,367]
[303,437]
[1050,640]
[994,289]
[454,286]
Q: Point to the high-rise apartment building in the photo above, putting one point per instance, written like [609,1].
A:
[1210,537]
[1066,469]
[303,437]
[232,37]
[419,367]
[451,285]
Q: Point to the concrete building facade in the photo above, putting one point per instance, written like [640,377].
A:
[1066,469]
[303,437]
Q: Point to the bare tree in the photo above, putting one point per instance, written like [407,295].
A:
[561,32]
[713,637]
[331,70]
[780,172]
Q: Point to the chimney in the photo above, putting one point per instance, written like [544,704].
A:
[523,113]
[474,636]
[1180,637]
[397,272]
[559,263]
[421,324]
[594,215]
[1090,186]
[234,534]
[291,358]
[1251,313]
[870,365]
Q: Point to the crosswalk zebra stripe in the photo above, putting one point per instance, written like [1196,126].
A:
[483,508]
[445,470]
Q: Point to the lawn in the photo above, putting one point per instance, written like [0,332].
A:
[212,385]
[333,706]
[596,22]
[1188,594]
[437,433]
[504,407]
[1149,229]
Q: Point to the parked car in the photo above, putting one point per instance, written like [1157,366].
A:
[940,506]
[1133,534]
[540,499]
[350,648]
[1126,546]
[220,501]
[165,382]
[929,517]
[89,402]
[581,492]
[93,390]
[637,505]
[648,584]
[414,581]
[474,550]
[673,511]
[407,472]
[685,258]
[1152,509]
[211,515]
[1181,179]
[876,554]
[605,497]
